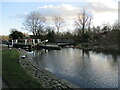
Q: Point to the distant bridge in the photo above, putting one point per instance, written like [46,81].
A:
[65,42]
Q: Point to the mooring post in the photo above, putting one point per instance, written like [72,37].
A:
[33,41]
[12,43]
[16,41]
[38,41]
[46,42]
[25,41]
[8,45]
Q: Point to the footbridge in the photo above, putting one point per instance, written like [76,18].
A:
[65,42]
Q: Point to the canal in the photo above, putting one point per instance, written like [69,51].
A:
[86,69]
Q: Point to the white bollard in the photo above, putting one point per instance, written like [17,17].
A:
[12,43]
[25,41]
[33,41]
[38,41]
[16,41]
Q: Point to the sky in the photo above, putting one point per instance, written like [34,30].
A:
[13,12]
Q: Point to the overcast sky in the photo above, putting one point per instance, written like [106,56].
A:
[13,13]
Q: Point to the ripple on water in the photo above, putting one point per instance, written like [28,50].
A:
[85,69]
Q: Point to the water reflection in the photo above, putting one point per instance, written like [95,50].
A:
[114,57]
[85,52]
[84,68]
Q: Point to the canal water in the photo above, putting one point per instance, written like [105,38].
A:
[86,69]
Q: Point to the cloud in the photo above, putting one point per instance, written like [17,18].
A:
[102,6]
[104,18]
[103,11]
[66,11]
[20,15]
[42,0]
[63,10]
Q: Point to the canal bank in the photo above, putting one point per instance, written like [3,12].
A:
[97,48]
[44,77]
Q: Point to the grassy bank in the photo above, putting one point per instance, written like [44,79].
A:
[13,73]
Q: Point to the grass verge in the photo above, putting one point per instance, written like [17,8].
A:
[13,73]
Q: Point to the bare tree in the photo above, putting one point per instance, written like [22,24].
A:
[83,21]
[58,21]
[34,22]
[89,23]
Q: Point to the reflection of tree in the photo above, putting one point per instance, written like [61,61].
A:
[85,52]
[38,53]
[36,56]
[114,57]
